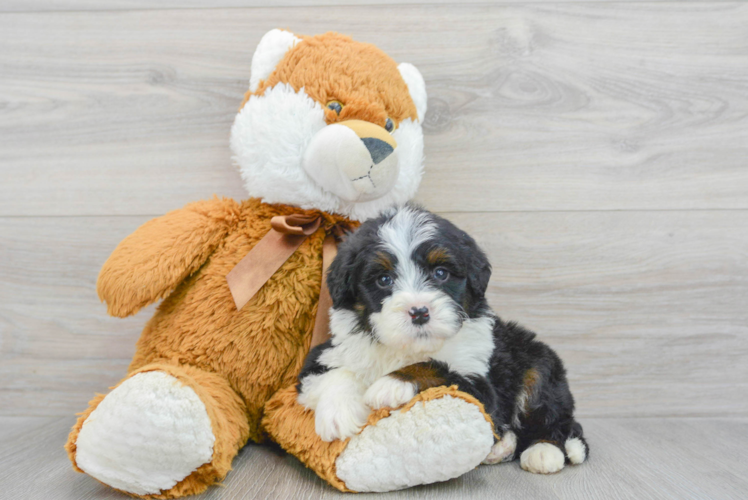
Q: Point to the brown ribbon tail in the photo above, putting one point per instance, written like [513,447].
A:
[321,332]
[286,235]
[260,264]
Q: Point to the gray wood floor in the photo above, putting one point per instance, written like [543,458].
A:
[679,459]
[598,151]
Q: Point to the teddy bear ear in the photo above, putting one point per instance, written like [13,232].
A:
[416,87]
[270,51]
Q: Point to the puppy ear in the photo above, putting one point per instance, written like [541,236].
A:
[270,51]
[416,87]
[340,278]
[479,269]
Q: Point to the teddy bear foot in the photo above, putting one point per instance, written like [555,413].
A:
[436,440]
[146,435]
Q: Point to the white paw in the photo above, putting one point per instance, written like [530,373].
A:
[339,418]
[389,392]
[147,435]
[503,451]
[542,458]
[575,450]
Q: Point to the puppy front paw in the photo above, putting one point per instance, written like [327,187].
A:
[339,419]
[389,392]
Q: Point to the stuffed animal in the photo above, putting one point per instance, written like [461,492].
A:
[329,134]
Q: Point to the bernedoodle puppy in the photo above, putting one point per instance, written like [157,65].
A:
[409,312]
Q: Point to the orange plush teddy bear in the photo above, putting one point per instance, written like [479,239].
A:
[329,134]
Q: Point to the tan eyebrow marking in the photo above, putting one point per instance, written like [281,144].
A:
[384,260]
[437,256]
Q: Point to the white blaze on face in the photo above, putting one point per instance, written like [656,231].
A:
[393,326]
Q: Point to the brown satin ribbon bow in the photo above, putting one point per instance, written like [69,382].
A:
[286,235]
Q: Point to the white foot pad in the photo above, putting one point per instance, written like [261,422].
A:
[542,458]
[503,451]
[146,435]
[433,441]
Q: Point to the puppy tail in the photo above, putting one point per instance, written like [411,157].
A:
[575,446]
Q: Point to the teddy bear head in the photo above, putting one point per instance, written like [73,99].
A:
[331,124]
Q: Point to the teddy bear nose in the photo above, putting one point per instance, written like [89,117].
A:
[378,149]
[372,135]
[419,315]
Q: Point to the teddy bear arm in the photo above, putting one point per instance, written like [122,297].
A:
[153,260]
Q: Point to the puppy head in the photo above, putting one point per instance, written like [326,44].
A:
[409,278]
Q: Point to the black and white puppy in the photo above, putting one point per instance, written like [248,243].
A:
[409,312]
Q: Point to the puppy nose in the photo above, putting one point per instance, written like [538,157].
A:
[419,315]
[378,149]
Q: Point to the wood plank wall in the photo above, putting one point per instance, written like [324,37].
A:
[597,150]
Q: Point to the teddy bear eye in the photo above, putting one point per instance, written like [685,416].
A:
[389,125]
[335,106]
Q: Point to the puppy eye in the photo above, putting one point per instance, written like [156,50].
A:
[336,106]
[441,274]
[384,281]
[389,126]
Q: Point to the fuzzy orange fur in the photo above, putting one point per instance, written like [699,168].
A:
[235,360]
[368,84]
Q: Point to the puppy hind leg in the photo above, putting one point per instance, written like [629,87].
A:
[543,457]
[541,445]
[554,447]
[575,446]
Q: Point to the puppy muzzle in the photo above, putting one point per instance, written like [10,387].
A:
[354,159]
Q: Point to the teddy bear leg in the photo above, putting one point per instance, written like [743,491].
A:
[439,438]
[163,432]
[440,434]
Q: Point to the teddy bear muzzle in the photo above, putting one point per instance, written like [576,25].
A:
[354,159]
